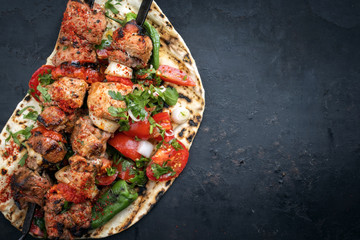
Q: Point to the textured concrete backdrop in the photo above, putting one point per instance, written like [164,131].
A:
[278,153]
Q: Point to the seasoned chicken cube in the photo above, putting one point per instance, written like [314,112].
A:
[67,93]
[48,144]
[53,118]
[64,219]
[87,140]
[82,21]
[135,45]
[80,175]
[70,53]
[29,186]
[99,99]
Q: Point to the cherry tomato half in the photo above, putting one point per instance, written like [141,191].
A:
[105,180]
[126,145]
[34,80]
[168,155]
[174,75]
[124,171]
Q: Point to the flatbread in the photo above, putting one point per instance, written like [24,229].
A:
[173,52]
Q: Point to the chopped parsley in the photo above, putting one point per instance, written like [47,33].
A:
[44,93]
[79,141]
[159,171]
[175,144]
[45,79]
[33,115]
[111,171]
[22,160]
[24,109]
[25,132]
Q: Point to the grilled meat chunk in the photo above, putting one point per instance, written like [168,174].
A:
[86,71]
[50,147]
[88,141]
[85,53]
[29,186]
[135,47]
[67,93]
[53,118]
[80,175]
[63,223]
[83,22]
[99,99]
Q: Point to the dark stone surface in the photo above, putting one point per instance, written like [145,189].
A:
[278,153]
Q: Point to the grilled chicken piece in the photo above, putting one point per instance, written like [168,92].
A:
[53,118]
[88,141]
[64,53]
[80,175]
[67,93]
[29,186]
[51,149]
[83,22]
[65,224]
[99,99]
[86,71]
[132,47]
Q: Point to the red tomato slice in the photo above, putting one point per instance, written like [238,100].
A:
[34,80]
[50,134]
[163,119]
[140,129]
[122,80]
[126,145]
[124,174]
[105,180]
[177,160]
[174,75]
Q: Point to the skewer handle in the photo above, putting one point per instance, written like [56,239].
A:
[143,12]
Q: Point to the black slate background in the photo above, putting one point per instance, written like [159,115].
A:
[278,153]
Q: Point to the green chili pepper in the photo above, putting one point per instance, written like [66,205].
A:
[117,198]
[155,37]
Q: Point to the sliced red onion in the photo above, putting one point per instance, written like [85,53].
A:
[171,133]
[145,148]
[132,116]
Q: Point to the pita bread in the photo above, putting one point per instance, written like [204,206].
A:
[173,52]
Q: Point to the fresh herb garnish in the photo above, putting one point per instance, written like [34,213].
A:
[175,144]
[111,7]
[116,96]
[171,96]
[158,170]
[25,132]
[33,115]
[24,109]
[66,206]
[142,162]
[45,79]
[22,160]
[44,93]
[111,171]
[79,141]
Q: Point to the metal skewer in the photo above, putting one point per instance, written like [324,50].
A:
[28,219]
[143,12]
